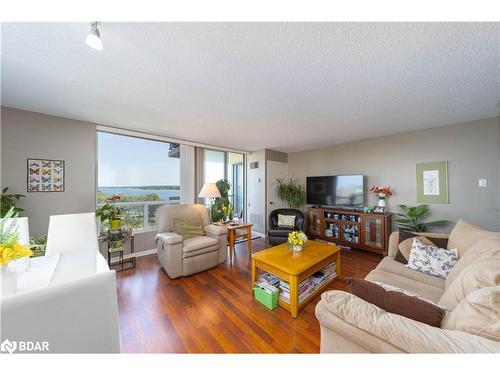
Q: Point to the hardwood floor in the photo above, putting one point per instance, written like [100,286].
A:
[214,311]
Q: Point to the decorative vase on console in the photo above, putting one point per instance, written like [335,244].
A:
[10,250]
[382,193]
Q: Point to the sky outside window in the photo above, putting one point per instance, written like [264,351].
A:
[130,161]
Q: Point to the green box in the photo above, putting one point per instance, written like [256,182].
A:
[270,300]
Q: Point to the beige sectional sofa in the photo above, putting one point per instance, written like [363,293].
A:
[470,294]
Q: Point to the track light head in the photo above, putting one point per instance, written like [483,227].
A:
[93,39]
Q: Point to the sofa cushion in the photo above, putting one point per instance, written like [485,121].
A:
[430,292]
[484,247]
[188,227]
[464,235]
[388,264]
[199,252]
[406,240]
[198,243]
[482,273]
[478,314]
[431,260]
[279,232]
[396,302]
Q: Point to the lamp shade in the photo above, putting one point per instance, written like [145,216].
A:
[209,190]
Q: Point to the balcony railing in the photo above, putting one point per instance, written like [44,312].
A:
[140,215]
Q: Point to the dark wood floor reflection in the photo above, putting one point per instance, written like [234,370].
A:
[214,311]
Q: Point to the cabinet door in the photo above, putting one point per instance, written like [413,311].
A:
[314,222]
[373,232]
[332,229]
[350,233]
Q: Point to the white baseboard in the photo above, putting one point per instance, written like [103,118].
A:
[145,252]
[259,234]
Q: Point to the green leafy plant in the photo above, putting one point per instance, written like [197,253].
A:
[10,200]
[290,191]
[220,205]
[115,237]
[109,211]
[410,219]
[38,245]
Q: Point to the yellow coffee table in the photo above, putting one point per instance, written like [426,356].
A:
[294,267]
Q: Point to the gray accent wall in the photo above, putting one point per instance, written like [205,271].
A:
[472,152]
[34,135]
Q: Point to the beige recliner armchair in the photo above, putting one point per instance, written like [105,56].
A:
[180,257]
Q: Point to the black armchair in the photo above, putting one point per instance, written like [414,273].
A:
[278,234]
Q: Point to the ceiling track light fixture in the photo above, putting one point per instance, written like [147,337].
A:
[93,39]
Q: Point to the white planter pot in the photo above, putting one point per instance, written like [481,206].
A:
[8,281]
[381,202]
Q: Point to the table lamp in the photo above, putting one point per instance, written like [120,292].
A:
[209,190]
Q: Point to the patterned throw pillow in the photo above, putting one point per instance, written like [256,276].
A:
[431,260]
[286,220]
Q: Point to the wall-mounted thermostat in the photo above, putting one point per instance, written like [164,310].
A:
[483,182]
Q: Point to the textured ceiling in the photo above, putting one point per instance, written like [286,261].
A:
[285,86]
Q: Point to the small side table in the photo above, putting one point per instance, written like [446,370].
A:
[122,260]
[232,235]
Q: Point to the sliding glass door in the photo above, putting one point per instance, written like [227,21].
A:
[235,176]
[215,165]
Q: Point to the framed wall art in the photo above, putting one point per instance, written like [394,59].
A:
[45,175]
[432,182]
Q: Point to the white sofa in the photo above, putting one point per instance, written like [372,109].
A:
[68,300]
[470,293]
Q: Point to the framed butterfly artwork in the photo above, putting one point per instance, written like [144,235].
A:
[45,175]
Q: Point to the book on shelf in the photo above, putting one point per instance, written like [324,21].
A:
[305,288]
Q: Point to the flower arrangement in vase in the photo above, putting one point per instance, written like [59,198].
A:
[10,250]
[382,193]
[297,240]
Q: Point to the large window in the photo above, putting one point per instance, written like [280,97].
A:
[145,173]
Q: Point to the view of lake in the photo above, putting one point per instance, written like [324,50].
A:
[165,192]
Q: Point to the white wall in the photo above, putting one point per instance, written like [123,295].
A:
[34,135]
[471,149]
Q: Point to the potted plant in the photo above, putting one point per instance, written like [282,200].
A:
[115,237]
[382,193]
[220,204]
[297,240]
[290,191]
[111,212]
[8,201]
[410,219]
[10,249]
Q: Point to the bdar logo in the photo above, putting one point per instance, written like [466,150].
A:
[8,346]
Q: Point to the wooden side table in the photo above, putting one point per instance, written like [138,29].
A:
[232,235]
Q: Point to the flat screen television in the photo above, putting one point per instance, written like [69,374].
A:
[336,191]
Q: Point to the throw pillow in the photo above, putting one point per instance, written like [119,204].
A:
[464,235]
[483,248]
[188,227]
[398,303]
[431,260]
[478,314]
[406,240]
[482,273]
[286,220]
